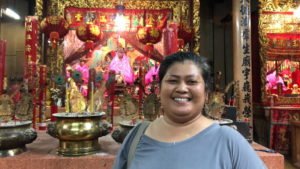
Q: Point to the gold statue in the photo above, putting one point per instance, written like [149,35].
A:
[75,102]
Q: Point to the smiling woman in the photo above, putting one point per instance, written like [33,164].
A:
[183,137]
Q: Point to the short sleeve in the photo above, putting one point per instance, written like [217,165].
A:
[243,155]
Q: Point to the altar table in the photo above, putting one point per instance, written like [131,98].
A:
[41,154]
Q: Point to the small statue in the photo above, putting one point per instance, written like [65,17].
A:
[24,107]
[128,106]
[216,104]
[75,100]
[119,78]
[151,105]
[295,89]
[6,108]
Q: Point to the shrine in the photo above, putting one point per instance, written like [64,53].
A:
[77,77]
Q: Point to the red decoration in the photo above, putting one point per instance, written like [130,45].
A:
[280,43]
[31,40]
[89,33]
[102,17]
[54,27]
[30,61]
[185,34]
[42,96]
[149,35]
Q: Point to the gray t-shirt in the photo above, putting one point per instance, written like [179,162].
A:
[216,147]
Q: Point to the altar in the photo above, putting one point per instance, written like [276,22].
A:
[41,154]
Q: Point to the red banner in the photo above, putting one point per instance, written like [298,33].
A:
[30,61]
[106,18]
[31,40]
[2,64]
[42,96]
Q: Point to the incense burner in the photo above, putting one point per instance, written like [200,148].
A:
[14,136]
[120,133]
[78,132]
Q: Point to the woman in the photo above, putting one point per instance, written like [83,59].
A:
[183,138]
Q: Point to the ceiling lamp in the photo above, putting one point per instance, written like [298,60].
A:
[120,21]
[10,13]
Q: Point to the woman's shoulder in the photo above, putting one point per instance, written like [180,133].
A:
[228,130]
[231,136]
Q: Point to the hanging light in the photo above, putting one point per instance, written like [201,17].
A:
[10,13]
[297,12]
[120,21]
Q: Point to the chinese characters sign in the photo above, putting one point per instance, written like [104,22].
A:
[31,40]
[134,18]
[246,59]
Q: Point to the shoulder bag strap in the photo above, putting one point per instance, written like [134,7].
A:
[136,140]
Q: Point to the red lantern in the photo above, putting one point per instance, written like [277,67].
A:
[89,33]
[54,27]
[185,34]
[149,36]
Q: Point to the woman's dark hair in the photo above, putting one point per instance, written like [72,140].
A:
[180,57]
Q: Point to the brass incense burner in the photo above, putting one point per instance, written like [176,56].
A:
[125,126]
[78,132]
[14,136]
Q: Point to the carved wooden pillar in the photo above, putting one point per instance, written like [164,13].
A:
[242,57]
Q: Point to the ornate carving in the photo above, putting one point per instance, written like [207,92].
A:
[276,5]
[57,8]
[273,23]
[196,25]
[39,9]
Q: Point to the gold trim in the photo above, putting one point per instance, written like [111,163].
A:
[196,25]
[276,23]
[57,8]
[39,9]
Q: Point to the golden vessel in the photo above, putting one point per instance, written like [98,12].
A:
[78,132]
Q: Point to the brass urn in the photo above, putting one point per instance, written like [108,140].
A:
[125,126]
[78,132]
[14,136]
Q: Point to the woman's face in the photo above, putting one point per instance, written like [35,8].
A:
[182,92]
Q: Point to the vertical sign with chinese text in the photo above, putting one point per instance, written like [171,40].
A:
[242,57]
